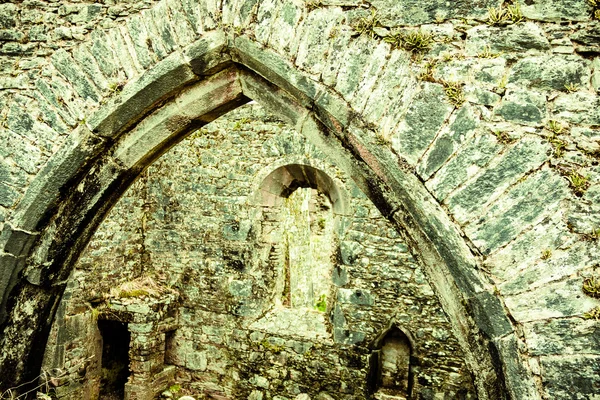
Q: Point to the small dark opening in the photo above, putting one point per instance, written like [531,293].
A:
[115,359]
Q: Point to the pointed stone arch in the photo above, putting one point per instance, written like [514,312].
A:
[182,92]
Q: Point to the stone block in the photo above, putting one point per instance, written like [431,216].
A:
[523,107]
[345,336]
[426,115]
[141,41]
[15,241]
[139,96]
[518,209]
[556,10]
[313,41]
[513,38]
[415,12]
[564,336]
[193,106]
[571,377]
[587,38]
[489,315]
[552,300]
[355,296]
[578,108]
[184,32]
[160,19]
[553,72]
[519,383]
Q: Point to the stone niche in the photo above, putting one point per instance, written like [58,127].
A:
[274,275]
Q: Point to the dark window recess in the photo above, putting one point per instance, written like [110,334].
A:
[390,366]
[115,359]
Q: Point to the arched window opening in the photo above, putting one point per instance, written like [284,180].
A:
[308,235]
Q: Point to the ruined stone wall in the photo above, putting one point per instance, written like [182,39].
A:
[495,115]
[193,224]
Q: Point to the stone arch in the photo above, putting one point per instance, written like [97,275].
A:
[180,93]
[281,182]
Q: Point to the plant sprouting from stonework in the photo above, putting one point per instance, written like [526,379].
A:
[546,254]
[454,92]
[321,304]
[487,53]
[578,183]
[571,87]
[591,287]
[595,8]
[313,4]
[502,137]
[594,313]
[514,12]
[496,16]
[415,41]
[367,25]
[592,236]
[511,13]
[555,127]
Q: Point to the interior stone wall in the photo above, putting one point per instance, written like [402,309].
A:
[195,225]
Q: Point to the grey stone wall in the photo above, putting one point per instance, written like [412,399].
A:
[193,224]
[497,117]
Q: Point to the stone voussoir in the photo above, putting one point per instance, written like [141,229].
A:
[139,96]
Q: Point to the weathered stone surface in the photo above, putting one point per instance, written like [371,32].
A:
[166,35]
[312,45]
[563,336]
[44,191]
[478,95]
[274,69]
[596,74]
[424,118]
[359,68]
[518,209]
[140,95]
[101,49]
[467,203]
[587,39]
[392,94]
[141,41]
[581,381]
[413,12]
[205,55]
[550,72]
[477,152]
[460,129]
[184,32]
[525,388]
[578,108]
[287,20]
[552,300]
[556,10]
[487,308]
[65,64]
[558,265]
[514,38]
